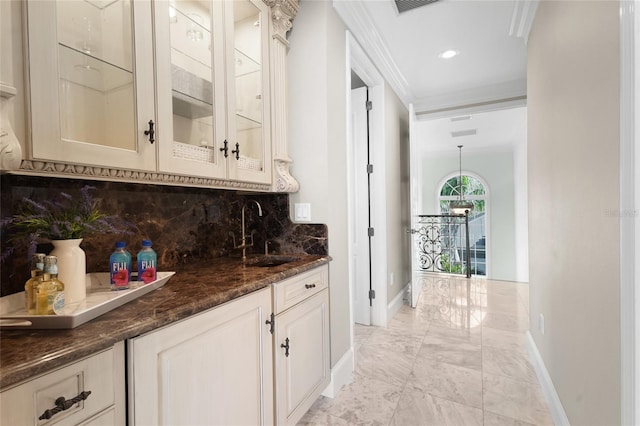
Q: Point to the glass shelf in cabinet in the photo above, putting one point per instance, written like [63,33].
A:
[189,107]
[245,123]
[85,70]
[245,64]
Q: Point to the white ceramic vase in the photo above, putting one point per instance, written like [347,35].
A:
[72,269]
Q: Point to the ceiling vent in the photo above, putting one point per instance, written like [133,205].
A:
[460,133]
[406,5]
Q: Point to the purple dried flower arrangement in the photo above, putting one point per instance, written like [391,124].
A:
[62,218]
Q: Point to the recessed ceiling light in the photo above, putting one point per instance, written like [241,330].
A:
[448,54]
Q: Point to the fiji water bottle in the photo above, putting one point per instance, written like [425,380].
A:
[120,267]
[147,263]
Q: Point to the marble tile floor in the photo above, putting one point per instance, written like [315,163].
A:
[458,358]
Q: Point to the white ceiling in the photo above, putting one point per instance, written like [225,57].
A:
[495,130]
[490,35]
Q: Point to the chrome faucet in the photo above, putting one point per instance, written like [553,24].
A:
[243,244]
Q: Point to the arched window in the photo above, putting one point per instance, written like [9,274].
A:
[475,191]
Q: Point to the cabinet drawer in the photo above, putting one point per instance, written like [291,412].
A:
[25,403]
[296,289]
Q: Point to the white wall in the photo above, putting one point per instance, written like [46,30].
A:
[573,165]
[496,168]
[317,143]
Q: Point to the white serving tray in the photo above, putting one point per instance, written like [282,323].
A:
[100,299]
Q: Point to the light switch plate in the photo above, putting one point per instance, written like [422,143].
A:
[302,212]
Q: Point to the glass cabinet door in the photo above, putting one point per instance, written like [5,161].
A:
[87,103]
[96,73]
[248,91]
[212,110]
[188,38]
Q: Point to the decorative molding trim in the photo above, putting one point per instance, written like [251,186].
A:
[556,409]
[524,12]
[397,302]
[282,179]
[341,374]
[282,12]
[76,171]
[359,21]
[628,209]
[10,148]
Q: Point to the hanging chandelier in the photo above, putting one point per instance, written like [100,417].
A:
[460,206]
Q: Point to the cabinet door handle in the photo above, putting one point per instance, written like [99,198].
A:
[308,286]
[285,345]
[64,404]
[271,323]
[151,133]
[225,149]
[236,151]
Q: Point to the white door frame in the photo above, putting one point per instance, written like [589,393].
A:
[629,210]
[359,62]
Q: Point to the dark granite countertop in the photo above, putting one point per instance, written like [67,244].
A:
[193,289]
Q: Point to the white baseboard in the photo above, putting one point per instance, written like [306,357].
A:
[397,302]
[556,409]
[341,374]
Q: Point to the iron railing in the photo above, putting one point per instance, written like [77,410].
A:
[441,245]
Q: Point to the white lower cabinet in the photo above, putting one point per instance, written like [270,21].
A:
[213,368]
[99,379]
[220,367]
[301,343]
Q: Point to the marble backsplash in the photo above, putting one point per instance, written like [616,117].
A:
[184,224]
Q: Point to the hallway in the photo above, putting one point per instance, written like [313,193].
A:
[459,358]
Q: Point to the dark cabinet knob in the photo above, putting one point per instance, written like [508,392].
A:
[236,151]
[225,149]
[285,345]
[151,133]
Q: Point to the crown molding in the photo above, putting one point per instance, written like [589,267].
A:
[477,98]
[356,17]
[524,12]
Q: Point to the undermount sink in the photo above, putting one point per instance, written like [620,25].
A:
[271,260]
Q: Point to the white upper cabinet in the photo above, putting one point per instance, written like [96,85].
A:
[173,91]
[91,82]
[212,88]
